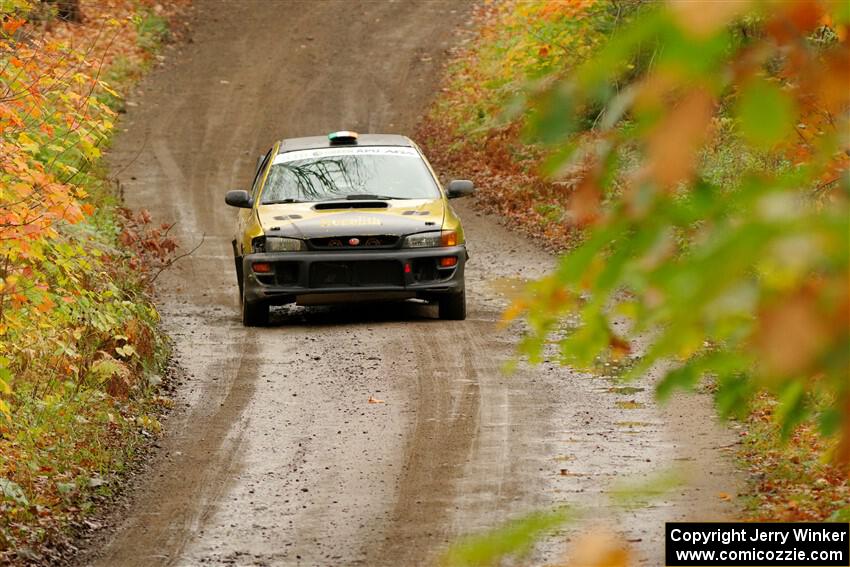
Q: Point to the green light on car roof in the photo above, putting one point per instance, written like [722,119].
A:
[343,137]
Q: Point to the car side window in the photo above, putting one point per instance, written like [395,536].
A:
[258,176]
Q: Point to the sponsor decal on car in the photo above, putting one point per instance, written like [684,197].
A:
[333,152]
[351,221]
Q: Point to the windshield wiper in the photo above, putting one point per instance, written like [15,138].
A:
[283,201]
[367,197]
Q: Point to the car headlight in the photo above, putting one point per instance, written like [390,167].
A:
[277,244]
[432,239]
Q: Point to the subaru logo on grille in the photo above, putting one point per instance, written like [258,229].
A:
[354,241]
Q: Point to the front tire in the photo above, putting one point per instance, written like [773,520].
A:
[452,307]
[254,314]
[239,280]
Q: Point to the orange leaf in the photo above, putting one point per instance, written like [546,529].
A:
[790,335]
[704,17]
[586,201]
[10,26]
[599,549]
[674,144]
[46,305]
[619,347]
[514,310]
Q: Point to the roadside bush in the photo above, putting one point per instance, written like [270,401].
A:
[79,345]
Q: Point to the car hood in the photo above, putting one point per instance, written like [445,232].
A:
[316,220]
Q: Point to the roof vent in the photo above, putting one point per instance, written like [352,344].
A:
[342,138]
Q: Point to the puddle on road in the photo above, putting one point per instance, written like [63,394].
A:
[625,390]
[630,405]
[511,288]
[633,424]
[615,369]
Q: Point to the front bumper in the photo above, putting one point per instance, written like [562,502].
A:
[396,273]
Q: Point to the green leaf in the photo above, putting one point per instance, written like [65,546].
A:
[89,150]
[766,113]
[126,351]
[554,117]
[513,539]
[685,377]
[13,492]
[692,56]
[5,377]
[28,143]
[601,71]
[733,395]
[639,492]
[689,374]
[792,408]
[830,421]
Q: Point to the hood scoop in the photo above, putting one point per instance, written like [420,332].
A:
[337,205]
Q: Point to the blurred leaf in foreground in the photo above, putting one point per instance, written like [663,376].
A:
[515,539]
[713,188]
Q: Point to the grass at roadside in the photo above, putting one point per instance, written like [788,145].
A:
[80,351]
[471,130]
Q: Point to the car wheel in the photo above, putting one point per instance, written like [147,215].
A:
[453,306]
[239,277]
[255,314]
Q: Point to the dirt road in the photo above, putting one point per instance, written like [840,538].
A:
[273,455]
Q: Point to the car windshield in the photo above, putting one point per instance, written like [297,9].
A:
[349,173]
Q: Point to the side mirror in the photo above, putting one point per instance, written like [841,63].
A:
[460,188]
[239,198]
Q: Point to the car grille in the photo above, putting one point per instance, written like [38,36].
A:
[286,273]
[354,274]
[345,242]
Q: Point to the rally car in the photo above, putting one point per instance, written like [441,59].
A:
[348,217]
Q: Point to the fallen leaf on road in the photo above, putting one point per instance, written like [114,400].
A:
[598,548]
[375,400]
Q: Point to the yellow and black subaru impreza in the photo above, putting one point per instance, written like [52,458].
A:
[344,218]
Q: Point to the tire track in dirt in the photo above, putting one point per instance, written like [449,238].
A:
[171,514]
[440,441]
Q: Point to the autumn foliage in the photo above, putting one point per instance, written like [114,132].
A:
[746,281]
[77,329]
